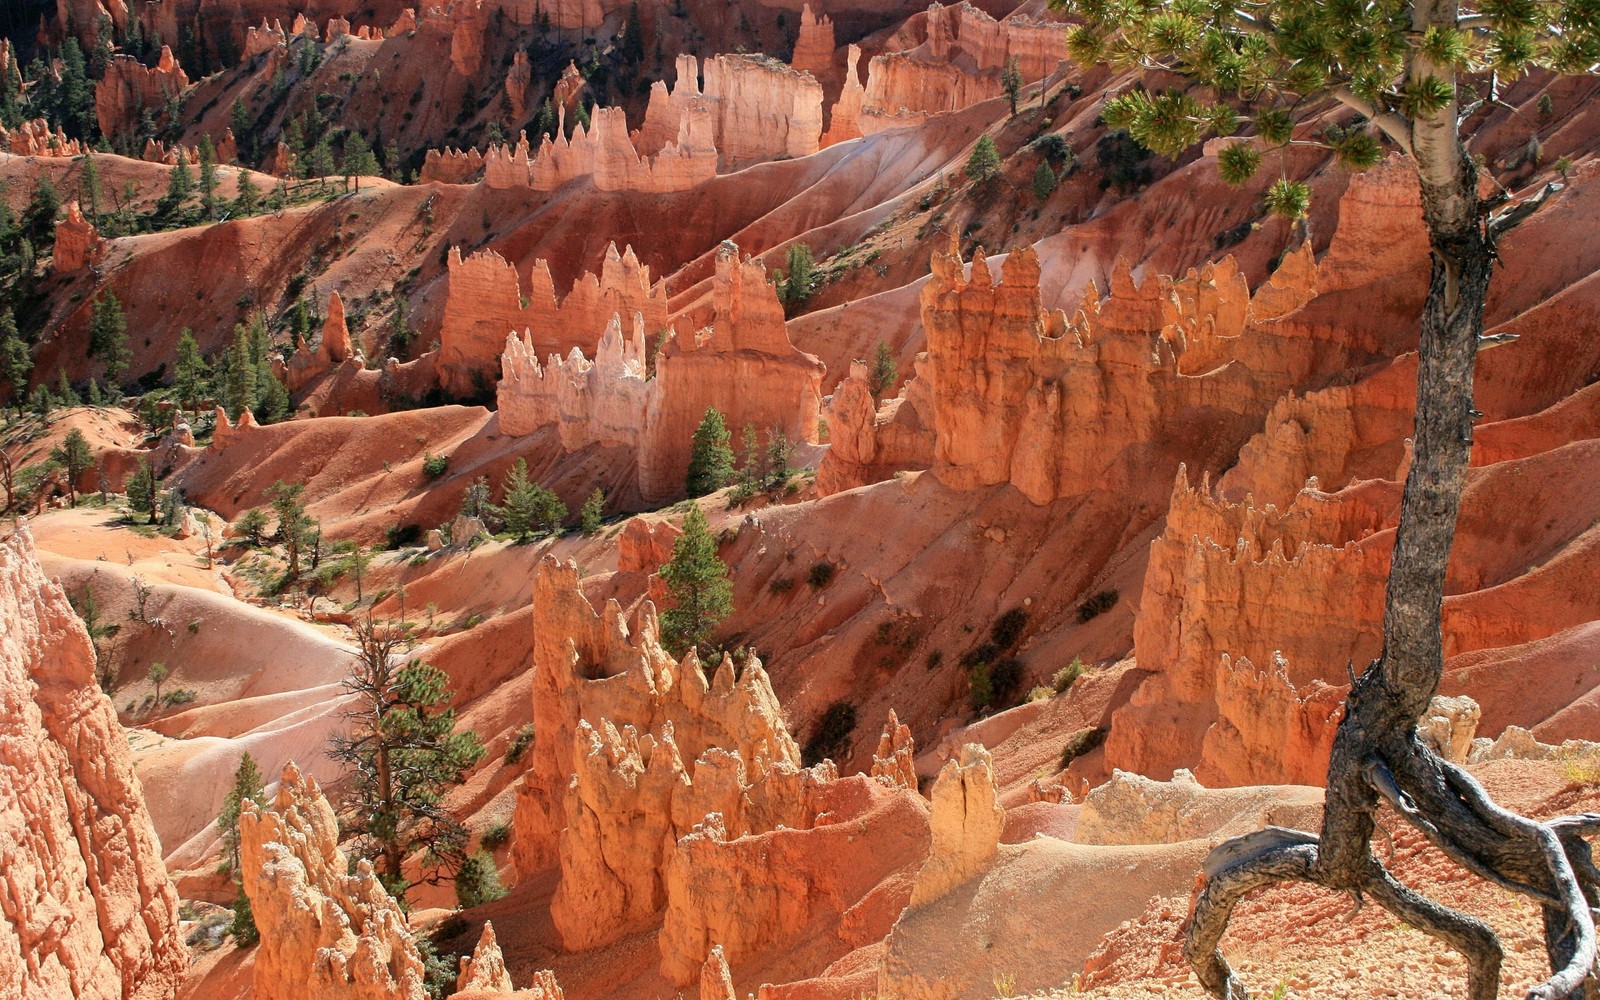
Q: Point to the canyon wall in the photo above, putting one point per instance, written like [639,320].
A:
[757,108]
[1102,400]
[869,441]
[484,302]
[743,365]
[130,88]
[605,155]
[88,909]
[667,796]
[958,64]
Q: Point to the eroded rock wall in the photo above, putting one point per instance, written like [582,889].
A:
[88,911]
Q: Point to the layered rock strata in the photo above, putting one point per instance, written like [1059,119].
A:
[757,109]
[743,365]
[87,910]
[129,88]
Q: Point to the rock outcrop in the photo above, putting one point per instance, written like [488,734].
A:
[77,245]
[1061,406]
[844,120]
[958,64]
[669,797]
[604,154]
[743,365]
[334,348]
[129,88]
[1134,809]
[484,302]
[485,968]
[966,821]
[34,138]
[756,107]
[813,47]
[88,910]
[518,79]
[869,442]
[450,166]
[324,932]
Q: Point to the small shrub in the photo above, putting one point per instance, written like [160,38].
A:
[1080,743]
[1097,605]
[182,696]
[1005,677]
[194,627]
[781,584]
[1067,675]
[478,881]
[1581,768]
[519,743]
[434,466]
[821,574]
[243,927]
[980,692]
[496,836]
[1007,629]
[1040,693]
[933,659]
[473,620]
[832,737]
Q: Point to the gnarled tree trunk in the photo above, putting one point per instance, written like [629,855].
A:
[1377,756]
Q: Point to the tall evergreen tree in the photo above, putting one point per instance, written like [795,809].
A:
[527,506]
[983,165]
[16,363]
[74,458]
[248,200]
[208,177]
[1011,83]
[39,218]
[143,491]
[403,754]
[180,184]
[358,159]
[191,378]
[593,511]
[710,456]
[295,527]
[885,372]
[248,786]
[697,581]
[244,129]
[108,336]
[89,193]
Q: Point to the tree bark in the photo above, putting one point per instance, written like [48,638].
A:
[1377,757]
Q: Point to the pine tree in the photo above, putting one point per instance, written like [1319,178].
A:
[478,881]
[358,159]
[885,373]
[191,375]
[593,511]
[238,375]
[180,184]
[16,363]
[244,129]
[75,107]
[751,457]
[75,458]
[158,673]
[247,786]
[1044,181]
[517,508]
[295,526]
[802,279]
[248,200]
[710,457]
[108,336]
[1011,83]
[143,490]
[697,581]
[402,753]
[208,177]
[778,450]
[319,163]
[89,193]
[39,218]
[66,395]
[984,163]
[633,37]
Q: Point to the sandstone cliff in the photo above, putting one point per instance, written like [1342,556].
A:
[130,88]
[869,442]
[88,910]
[757,108]
[484,303]
[34,138]
[957,64]
[743,364]
[77,244]
[604,154]
[324,932]
[813,47]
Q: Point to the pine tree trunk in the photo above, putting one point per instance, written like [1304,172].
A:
[1377,756]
